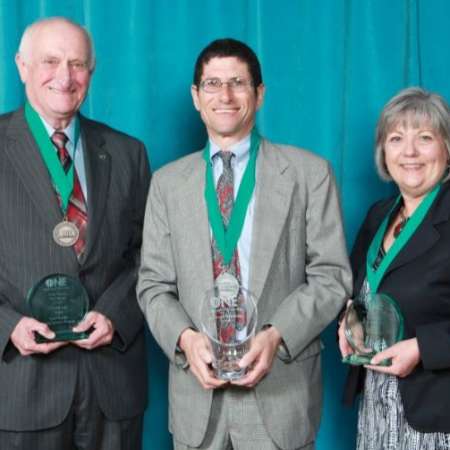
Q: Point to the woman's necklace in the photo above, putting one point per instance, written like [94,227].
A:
[399,227]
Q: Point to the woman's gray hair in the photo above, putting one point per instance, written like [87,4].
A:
[414,105]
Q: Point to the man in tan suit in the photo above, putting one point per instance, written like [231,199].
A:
[290,253]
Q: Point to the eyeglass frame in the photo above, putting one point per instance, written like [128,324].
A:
[234,87]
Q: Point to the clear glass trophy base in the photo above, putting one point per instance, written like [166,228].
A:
[231,373]
[226,360]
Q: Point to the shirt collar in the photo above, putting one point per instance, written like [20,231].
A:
[241,149]
[69,131]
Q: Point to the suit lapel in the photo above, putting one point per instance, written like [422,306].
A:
[272,205]
[24,154]
[97,162]
[423,239]
[426,235]
[194,219]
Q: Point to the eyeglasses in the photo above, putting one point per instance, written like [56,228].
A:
[214,85]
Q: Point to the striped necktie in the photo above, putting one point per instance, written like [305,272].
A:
[76,209]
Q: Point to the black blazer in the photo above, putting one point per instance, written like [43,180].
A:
[419,280]
[37,391]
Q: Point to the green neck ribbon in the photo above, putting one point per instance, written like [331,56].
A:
[374,276]
[227,239]
[62,181]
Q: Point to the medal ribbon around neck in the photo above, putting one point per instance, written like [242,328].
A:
[374,276]
[61,180]
[227,239]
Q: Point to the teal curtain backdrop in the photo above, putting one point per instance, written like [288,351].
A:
[328,65]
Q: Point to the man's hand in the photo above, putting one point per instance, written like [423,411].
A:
[405,356]
[23,337]
[197,349]
[102,334]
[259,358]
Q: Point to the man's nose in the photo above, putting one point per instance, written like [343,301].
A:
[64,73]
[226,92]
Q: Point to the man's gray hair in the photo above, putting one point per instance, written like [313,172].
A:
[416,106]
[30,30]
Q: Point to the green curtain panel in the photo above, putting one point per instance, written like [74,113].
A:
[328,65]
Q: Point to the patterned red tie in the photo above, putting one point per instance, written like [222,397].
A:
[225,198]
[76,209]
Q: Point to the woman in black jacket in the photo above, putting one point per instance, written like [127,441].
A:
[403,250]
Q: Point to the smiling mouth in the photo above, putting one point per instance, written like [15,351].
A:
[60,91]
[226,110]
[412,166]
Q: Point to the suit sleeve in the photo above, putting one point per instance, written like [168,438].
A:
[303,315]
[9,317]
[433,337]
[118,301]
[433,342]
[157,284]
[356,374]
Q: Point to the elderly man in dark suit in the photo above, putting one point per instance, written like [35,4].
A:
[85,394]
[290,252]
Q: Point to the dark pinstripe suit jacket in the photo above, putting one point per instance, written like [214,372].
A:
[36,391]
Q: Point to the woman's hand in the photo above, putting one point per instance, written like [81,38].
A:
[405,356]
[344,346]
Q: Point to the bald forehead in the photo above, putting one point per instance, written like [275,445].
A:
[40,35]
[58,27]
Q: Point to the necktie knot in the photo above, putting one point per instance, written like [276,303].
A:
[59,139]
[226,158]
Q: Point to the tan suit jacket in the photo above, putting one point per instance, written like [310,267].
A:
[298,271]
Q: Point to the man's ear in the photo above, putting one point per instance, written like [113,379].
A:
[21,67]
[194,93]
[260,91]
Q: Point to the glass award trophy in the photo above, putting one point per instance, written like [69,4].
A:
[61,302]
[372,326]
[228,317]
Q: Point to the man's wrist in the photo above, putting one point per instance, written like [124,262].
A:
[273,333]
[184,337]
[282,351]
